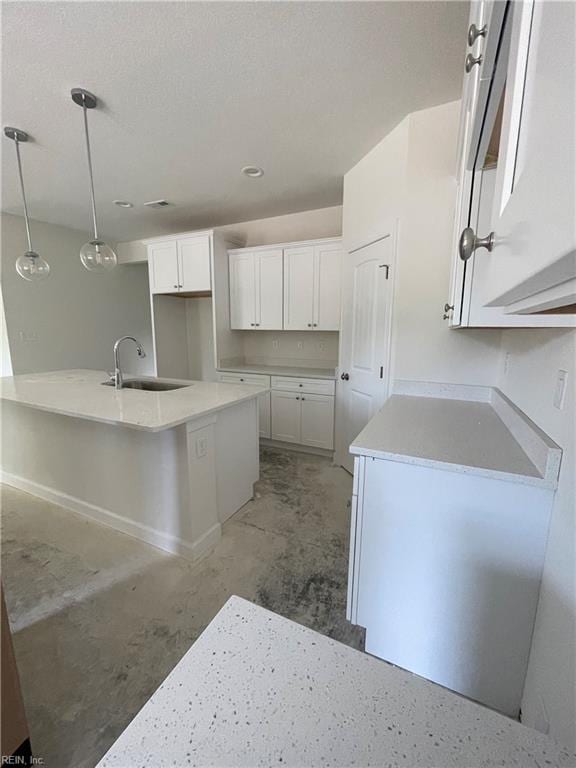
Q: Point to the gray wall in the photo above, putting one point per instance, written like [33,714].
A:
[72,319]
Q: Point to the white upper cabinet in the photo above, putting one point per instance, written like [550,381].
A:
[294,287]
[256,289]
[181,264]
[268,270]
[298,288]
[194,263]
[163,266]
[327,286]
[516,183]
[312,287]
[242,291]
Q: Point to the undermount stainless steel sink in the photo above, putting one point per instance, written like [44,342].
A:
[148,385]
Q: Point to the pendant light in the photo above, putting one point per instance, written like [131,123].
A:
[30,265]
[96,255]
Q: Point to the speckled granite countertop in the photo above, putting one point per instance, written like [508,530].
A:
[467,429]
[282,370]
[80,393]
[259,690]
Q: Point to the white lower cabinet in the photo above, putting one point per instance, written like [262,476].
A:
[317,421]
[304,418]
[286,416]
[444,574]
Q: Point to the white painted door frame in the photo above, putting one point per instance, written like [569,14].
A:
[381,383]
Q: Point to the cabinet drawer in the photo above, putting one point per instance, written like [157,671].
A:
[245,378]
[311,386]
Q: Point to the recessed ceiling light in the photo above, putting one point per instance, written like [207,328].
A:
[252,171]
[123,204]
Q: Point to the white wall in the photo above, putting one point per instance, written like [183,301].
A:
[305,225]
[72,319]
[200,339]
[409,177]
[529,365]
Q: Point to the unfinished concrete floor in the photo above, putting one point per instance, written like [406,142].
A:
[99,619]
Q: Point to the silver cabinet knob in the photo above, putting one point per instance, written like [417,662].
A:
[471,62]
[474,33]
[176,287]
[345,377]
[309,325]
[469,243]
[447,309]
[315,324]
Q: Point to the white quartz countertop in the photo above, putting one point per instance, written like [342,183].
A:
[259,690]
[282,370]
[464,429]
[80,393]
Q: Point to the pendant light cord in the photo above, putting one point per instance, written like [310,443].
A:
[23,194]
[85,111]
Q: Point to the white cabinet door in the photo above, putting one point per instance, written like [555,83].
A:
[242,291]
[317,421]
[298,288]
[163,263]
[264,414]
[194,263]
[268,273]
[327,275]
[286,409]
[535,193]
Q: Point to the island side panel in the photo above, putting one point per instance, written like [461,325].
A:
[237,456]
[135,481]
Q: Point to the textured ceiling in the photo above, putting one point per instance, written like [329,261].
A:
[193,91]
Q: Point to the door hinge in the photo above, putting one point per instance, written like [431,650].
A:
[387,268]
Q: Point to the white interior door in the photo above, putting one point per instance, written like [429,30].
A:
[163,263]
[327,277]
[194,263]
[298,288]
[242,291]
[268,271]
[364,340]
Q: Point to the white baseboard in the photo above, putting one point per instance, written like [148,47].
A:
[165,541]
[297,447]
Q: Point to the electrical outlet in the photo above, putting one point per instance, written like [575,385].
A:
[506,362]
[201,447]
[321,346]
[542,721]
[275,343]
[300,345]
[560,391]
[28,336]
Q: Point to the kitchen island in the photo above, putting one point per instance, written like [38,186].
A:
[168,467]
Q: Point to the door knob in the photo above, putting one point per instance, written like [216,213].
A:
[345,377]
[469,243]
[475,32]
[471,62]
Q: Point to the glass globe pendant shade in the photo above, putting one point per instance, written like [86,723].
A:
[97,256]
[31,266]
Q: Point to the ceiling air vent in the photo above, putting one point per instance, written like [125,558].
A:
[157,204]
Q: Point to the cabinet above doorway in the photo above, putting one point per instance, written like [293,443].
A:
[291,286]
[180,264]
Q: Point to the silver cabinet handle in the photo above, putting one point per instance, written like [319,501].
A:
[448,307]
[471,62]
[469,243]
[475,32]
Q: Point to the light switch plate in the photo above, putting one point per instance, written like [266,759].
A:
[560,391]
[201,447]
